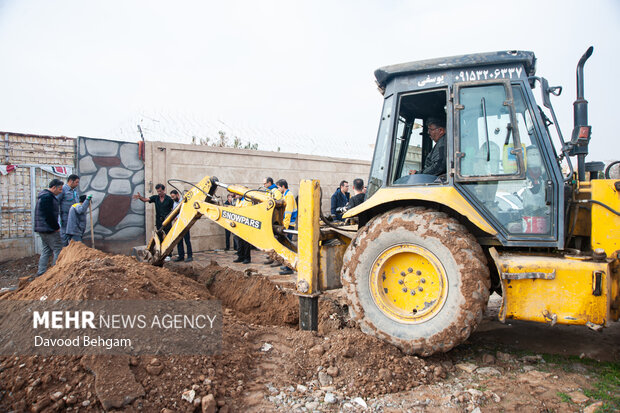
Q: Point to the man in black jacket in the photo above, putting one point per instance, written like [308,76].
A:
[163,205]
[435,163]
[339,199]
[46,223]
[360,195]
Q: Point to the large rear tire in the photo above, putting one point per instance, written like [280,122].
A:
[416,278]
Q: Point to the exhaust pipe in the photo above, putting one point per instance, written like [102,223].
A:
[581,130]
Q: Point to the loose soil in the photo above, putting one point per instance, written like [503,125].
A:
[12,269]
[266,363]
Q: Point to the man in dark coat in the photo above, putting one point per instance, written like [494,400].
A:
[46,223]
[339,199]
[163,205]
[435,163]
[360,195]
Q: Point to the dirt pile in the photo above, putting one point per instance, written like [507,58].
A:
[83,273]
[60,382]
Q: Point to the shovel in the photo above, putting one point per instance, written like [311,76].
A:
[92,234]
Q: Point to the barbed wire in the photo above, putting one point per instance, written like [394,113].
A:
[184,128]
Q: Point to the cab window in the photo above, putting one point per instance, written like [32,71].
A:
[412,143]
[523,207]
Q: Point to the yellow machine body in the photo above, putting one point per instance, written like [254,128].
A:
[560,289]
[605,224]
[565,289]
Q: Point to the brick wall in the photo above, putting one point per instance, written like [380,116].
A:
[18,188]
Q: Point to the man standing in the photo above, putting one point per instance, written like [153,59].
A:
[76,223]
[435,163]
[163,205]
[340,199]
[46,223]
[271,187]
[70,195]
[290,213]
[360,194]
[174,194]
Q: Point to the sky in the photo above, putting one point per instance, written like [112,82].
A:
[293,75]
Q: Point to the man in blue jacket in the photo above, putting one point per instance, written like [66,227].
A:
[76,223]
[69,196]
[339,199]
[46,223]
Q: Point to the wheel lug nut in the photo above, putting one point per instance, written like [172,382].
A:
[403,273]
[420,289]
[401,281]
[410,269]
[404,289]
[412,292]
[418,272]
[422,280]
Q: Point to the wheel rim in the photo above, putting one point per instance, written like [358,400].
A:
[408,283]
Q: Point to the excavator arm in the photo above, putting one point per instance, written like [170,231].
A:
[257,223]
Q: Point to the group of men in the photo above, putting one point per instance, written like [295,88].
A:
[342,201]
[279,190]
[60,217]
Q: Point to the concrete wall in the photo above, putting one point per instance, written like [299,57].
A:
[191,163]
[18,189]
[111,172]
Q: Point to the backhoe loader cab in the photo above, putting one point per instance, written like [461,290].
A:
[496,143]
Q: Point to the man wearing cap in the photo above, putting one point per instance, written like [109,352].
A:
[76,223]
[70,195]
[435,163]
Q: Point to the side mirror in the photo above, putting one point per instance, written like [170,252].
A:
[545,92]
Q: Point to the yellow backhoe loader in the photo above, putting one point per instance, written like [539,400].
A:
[426,250]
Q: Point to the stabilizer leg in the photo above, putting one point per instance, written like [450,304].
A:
[309,313]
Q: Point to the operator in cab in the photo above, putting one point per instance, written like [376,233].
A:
[435,163]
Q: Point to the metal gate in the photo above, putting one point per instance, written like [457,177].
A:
[18,198]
